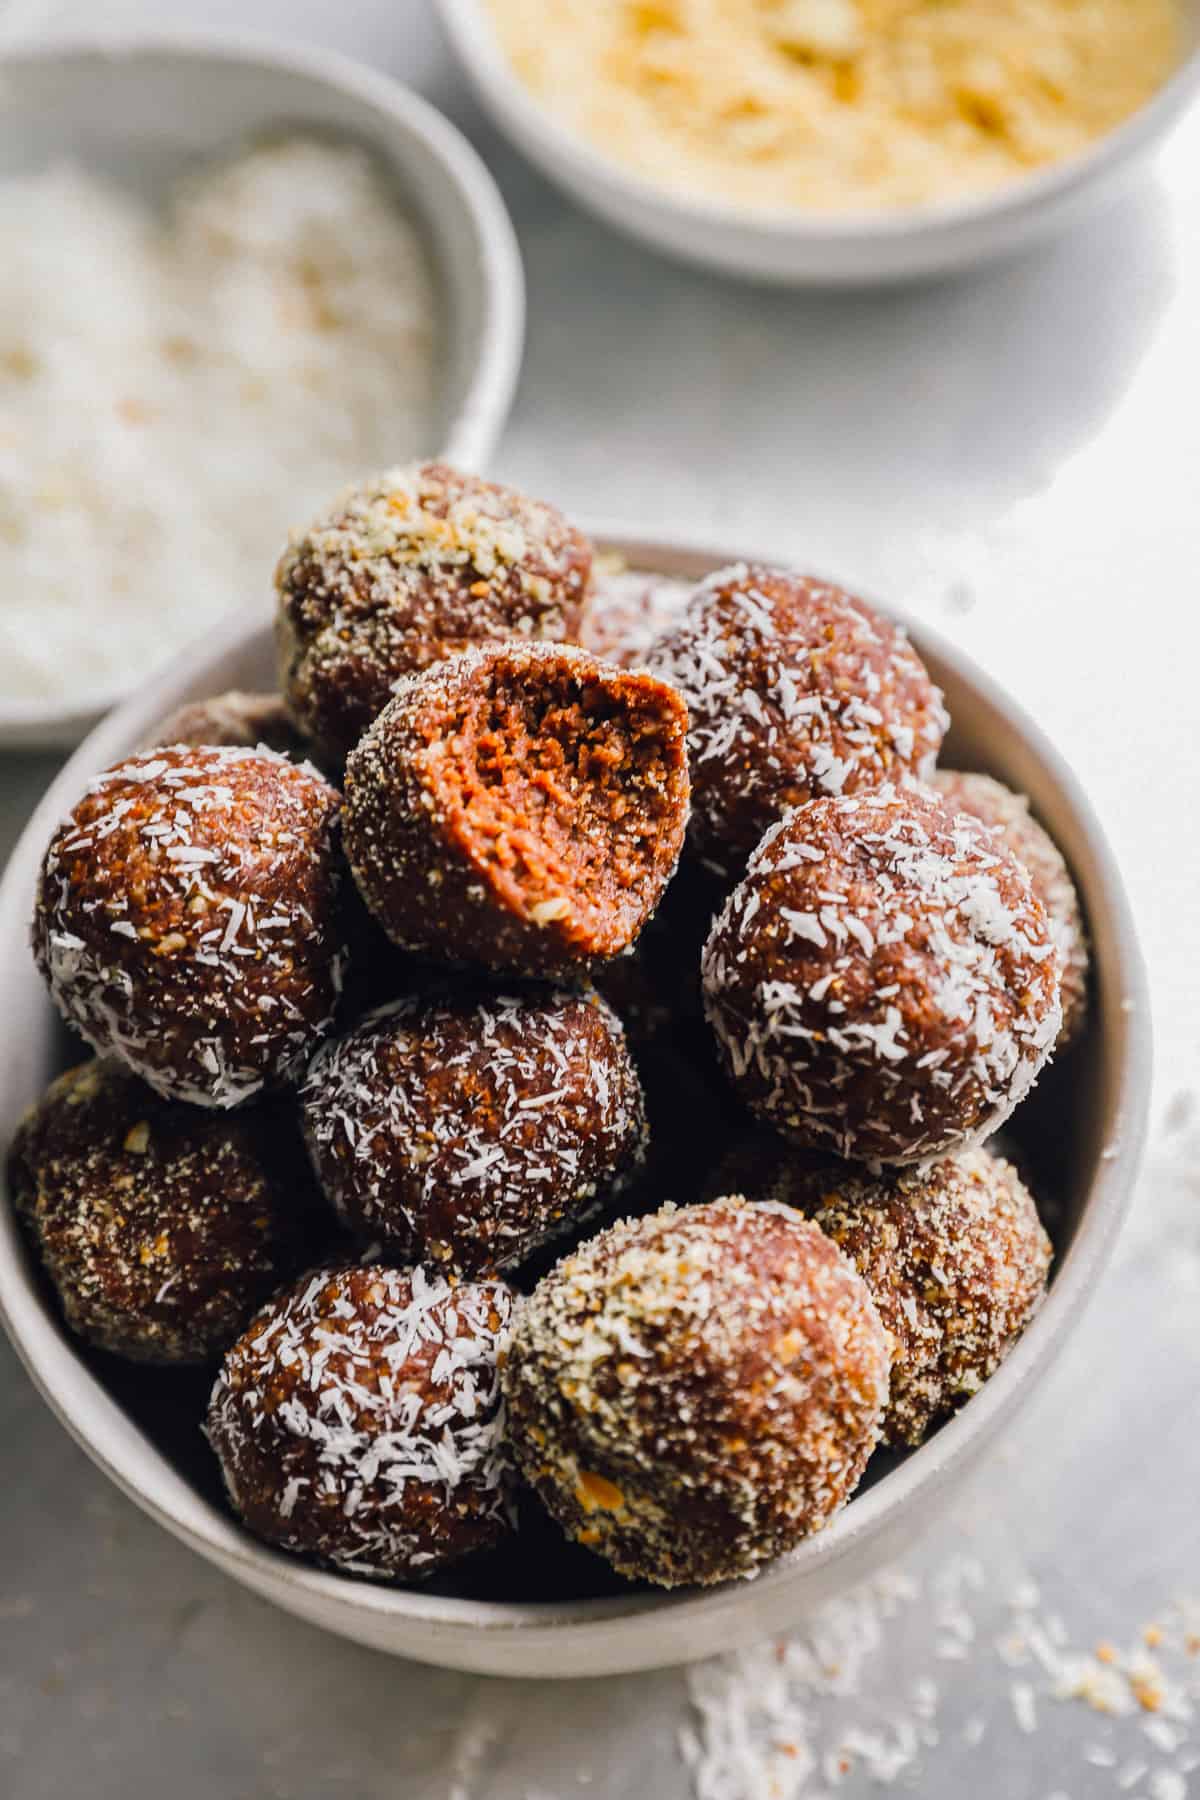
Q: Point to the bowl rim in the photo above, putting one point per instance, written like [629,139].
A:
[528,121]
[116,1445]
[474,429]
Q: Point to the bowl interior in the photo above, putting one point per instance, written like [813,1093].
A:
[1077,1136]
[146,113]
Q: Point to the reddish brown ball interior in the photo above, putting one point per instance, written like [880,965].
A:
[570,792]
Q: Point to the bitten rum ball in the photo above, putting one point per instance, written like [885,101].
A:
[522,808]
[1033,847]
[162,1227]
[467,1127]
[188,919]
[884,983]
[358,1420]
[693,1393]
[409,568]
[795,689]
[956,1260]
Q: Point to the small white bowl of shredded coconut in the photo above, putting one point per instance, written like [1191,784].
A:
[235,278]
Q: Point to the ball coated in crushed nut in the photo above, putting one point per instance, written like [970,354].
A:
[956,1259]
[161,1226]
[694,1392]
[413,566]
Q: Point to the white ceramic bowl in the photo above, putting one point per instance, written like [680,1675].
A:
[143,110]
[799,249]
[1094,1105]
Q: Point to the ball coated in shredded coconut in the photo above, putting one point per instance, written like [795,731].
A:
[237,718]
[884,983]
[795,689]
[521,807]
[1008,813]
[467,1127]
[188,919]
[358,1420]
[411,567]
[760,1164]
[693,1393]
[162,1227]
[956,1259]
[627,612]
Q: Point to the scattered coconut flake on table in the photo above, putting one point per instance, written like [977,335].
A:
[776,1722]
[177,390]
[988,1666]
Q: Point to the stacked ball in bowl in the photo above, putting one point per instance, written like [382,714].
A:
[588,899]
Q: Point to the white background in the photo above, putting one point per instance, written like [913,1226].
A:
[1014,457]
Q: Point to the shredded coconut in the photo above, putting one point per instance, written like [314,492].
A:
[273,332]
